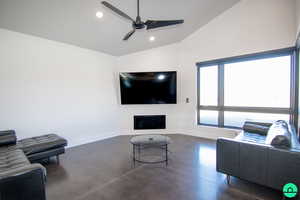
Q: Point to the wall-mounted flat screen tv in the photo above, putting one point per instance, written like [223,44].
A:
[148,87]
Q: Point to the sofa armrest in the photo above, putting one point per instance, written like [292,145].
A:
[22,170]
[8,138]
[23,184]
[8,132]
[228,156]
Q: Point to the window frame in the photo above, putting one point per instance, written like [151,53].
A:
[292,111]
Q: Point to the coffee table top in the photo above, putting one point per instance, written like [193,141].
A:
[150,139]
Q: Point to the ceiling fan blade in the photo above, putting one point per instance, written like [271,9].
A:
[151,24]
[128,35]
[116,10]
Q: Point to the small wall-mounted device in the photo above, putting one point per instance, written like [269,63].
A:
[187,100]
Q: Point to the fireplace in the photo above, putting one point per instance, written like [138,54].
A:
[142,122]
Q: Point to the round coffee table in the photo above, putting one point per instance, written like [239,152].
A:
[144,141]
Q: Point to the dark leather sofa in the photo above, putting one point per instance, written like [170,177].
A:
[269,157]
[19,178]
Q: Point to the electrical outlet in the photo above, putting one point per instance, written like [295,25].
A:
[187,100]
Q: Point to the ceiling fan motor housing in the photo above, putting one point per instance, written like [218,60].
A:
[138,24]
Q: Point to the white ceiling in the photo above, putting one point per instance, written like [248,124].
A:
[74,21]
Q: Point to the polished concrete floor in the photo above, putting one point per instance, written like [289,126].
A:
[104,171]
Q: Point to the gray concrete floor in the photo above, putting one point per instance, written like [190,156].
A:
[104,170]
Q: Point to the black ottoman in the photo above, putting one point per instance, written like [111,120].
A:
[42,147]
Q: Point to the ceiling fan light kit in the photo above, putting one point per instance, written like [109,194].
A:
[138,23]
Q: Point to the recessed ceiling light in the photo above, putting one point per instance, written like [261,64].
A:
[161,77]
[99,14]
[151,39]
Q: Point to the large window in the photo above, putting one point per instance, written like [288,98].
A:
[258,87]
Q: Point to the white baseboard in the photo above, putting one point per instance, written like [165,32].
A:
[90,140]
[202,132]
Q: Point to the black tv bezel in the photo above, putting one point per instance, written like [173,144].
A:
[148,103]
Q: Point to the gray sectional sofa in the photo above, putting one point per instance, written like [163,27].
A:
[266,154]
[19,178]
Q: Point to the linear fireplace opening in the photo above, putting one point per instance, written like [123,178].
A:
[142,122]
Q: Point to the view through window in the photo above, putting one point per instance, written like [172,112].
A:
[256,88]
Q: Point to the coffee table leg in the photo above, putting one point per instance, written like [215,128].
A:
[139,151]
[166,155]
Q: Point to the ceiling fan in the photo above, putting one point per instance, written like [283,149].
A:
[138,23]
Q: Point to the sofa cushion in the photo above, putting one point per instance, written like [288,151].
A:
[256,127]
[7,149]
[41,143]
[14,162]
[279,135]
[12,159]
[251,137]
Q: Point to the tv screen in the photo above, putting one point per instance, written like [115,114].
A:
[148,88]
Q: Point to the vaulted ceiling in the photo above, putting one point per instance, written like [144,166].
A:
[75,22]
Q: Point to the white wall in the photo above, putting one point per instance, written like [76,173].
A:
[250,26]
[50,87]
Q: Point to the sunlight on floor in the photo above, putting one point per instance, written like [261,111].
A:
[207,156]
